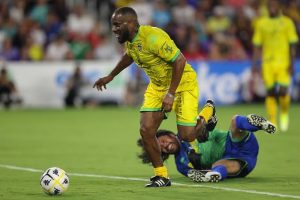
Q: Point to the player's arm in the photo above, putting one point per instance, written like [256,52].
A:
[182,161]
[256,58]
[125,61]
[257,47]
[293,48]
[293,40]
[177,71]
[178,68]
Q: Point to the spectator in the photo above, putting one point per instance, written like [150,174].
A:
[144,11]
[37,34]
[81,48]
[226,47]
[23,33]
[8,91]
[243,30]
[53,26]
[94,37]
[39,12]
[106,50]
[8,52]
[161,15]
[32,51]
[79,23]
[193,50]
[17,11]
[58,49]
[136,88]
[181,37]
[74,84]
[183,13]
[9,28]
[219,22]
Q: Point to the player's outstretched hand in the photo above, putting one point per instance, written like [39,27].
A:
[101,82]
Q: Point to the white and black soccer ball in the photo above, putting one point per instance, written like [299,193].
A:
[54,181]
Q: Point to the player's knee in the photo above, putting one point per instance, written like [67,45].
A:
[147,131]
[188,137]
[271,92]
[283,91]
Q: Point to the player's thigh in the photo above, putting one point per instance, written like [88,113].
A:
[150,122]
[268,75]
[151,115]
[186,107]
[283,77]
[152,100]
[276,75]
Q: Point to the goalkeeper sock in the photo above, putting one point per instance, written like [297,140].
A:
[222,170]
[243,124]
[161,171]
[206,113]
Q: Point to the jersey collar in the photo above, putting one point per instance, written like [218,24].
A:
[135,36]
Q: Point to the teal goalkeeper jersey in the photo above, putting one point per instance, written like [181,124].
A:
[211,151]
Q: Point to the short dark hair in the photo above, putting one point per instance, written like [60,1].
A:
[144,156]
[126,11]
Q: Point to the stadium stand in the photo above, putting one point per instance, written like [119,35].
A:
[208,29]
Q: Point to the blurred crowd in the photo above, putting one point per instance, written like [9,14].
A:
[80,29]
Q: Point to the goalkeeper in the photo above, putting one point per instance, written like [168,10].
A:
[224,154]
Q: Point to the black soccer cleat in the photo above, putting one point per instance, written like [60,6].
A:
[261,123]
[158,181]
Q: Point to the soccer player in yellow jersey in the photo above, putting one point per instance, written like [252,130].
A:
[275,35]
[173,85]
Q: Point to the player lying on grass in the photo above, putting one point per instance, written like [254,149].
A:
[225,154]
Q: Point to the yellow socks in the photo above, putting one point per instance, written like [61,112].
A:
[284,102]
[271,106]
[206,113]
[161,171]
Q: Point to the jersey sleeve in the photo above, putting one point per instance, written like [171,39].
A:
[292,34]
[257,36]
[163,46]
[182,161]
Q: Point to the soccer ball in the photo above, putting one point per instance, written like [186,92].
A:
[54,181]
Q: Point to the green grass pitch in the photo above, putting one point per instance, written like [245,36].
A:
[100,146]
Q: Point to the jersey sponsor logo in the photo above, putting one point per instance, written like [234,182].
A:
[167,48]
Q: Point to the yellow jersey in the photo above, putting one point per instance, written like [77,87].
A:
[154,51]
[275,35]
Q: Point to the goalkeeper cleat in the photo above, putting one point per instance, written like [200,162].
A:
[213,177]
[158,181]
[212,122]
[211,103]
[261,123]
[197,175]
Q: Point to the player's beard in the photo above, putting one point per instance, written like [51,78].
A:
[124,36]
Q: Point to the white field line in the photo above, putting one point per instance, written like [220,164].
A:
[144,180]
